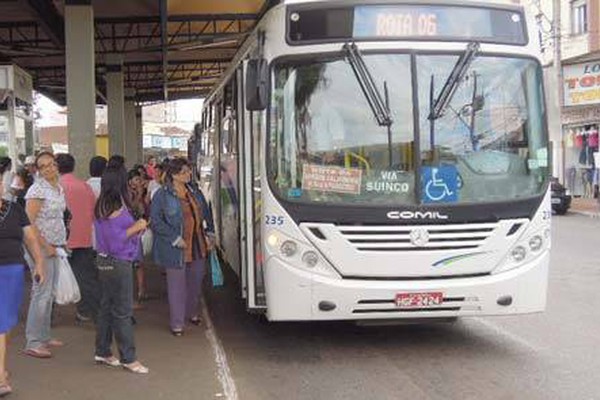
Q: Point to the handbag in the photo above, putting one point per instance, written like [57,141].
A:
[215,269]
[66,289]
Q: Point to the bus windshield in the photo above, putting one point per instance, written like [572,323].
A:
[488,143]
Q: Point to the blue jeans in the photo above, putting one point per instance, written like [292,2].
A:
[39,316]
[115,316]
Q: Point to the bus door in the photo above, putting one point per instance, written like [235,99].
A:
[253,288]
[242,182]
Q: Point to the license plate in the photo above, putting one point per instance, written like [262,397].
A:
[556,201]
[417,300]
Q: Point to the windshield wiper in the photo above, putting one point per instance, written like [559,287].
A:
[379,104]
[439,106]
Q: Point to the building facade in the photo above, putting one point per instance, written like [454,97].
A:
[575,136]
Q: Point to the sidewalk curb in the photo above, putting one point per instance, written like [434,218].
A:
[586,213]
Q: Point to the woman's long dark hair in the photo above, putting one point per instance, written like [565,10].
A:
[113,192]
[173,167]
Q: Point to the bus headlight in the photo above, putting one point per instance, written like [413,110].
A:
[273,240]
[310,258]
[519,253]
[536,243]
[288,248]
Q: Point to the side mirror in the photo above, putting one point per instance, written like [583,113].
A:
[257,84]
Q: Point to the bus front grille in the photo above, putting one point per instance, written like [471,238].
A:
[400,238]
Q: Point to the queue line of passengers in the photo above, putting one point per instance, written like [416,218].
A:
[99,223]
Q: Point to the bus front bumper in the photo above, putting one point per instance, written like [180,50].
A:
[294,294]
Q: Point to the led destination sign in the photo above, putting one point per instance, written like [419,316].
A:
[405,22]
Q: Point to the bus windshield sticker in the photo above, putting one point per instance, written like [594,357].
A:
[533,163]
[542,157]
[388,182]
[295,193]
[331,179]
[439,184]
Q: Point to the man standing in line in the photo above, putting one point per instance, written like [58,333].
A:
[151,167]
[81,201]
[30,166]
[97,167]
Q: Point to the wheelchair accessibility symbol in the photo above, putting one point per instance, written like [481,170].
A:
[440,184]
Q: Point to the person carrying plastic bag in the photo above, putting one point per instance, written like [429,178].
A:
[66,289]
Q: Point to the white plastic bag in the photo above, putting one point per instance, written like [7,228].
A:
[147,240]
[66,290]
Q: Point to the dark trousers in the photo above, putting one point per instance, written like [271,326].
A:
[83,263]
[184,289]
[116,311]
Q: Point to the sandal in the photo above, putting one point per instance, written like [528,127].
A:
[5,388]
[177,332]
[111,361]
[54,343]
[38,352]
[136,367]
[196,320]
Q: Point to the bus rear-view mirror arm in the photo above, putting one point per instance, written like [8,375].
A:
[257,81]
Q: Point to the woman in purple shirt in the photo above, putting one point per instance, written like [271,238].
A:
[117,244]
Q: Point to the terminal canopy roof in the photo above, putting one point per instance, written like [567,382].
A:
[171,49]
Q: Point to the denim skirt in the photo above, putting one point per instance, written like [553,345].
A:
[12,279]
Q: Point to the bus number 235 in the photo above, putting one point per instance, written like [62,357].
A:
[274,220]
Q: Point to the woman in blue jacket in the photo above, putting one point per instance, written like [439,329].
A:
[182,229]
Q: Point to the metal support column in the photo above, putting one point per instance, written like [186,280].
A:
[81,82]
[115,94]
[139,127]
[131,147]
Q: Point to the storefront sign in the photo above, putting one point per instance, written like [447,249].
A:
[331,179]
[582,84]
[580,115]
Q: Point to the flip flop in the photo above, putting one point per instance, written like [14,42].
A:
[177,332]
[39,352]
[5,389]
[110,361]
[54,343]
[136,368]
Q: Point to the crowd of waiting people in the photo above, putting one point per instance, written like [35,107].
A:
[48,214]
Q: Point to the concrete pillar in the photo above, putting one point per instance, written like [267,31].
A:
[13,151]
[115,96]
[81,82]
[131,147]
[139,126]
[30,141]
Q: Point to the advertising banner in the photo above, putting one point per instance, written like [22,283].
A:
[582,84]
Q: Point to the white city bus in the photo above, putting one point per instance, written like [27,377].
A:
[382,160]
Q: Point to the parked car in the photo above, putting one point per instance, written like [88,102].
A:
[561,201]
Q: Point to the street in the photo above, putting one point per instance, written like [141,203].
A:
[554,355]
[547,356]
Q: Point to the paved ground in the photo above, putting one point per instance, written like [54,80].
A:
[548,356]
[181,368]
[554,355]
[585,206]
